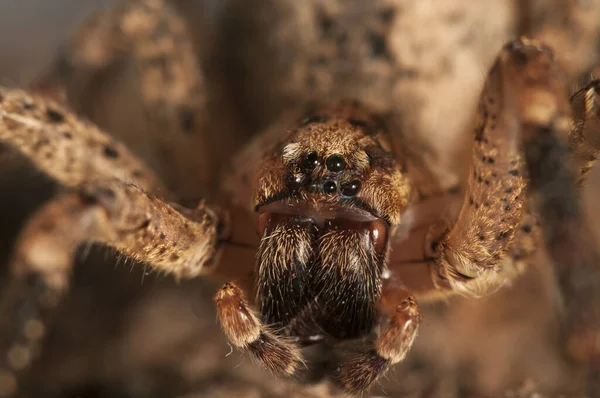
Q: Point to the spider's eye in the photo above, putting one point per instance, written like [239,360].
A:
[310,161]
[330,187]
[335,163]
[351,188]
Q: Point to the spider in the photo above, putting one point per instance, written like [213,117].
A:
[331,224]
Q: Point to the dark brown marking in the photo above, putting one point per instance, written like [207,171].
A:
[55,116]
[40,143]
[314,119]
[386,15]
[28,105]
[378,45]
[187,119]
[325,22]
[110,152]
[502,235]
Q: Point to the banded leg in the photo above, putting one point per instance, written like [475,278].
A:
[182,243]
[245,330]
[390,347]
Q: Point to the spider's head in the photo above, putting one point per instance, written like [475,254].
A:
[338,161]
[326,201]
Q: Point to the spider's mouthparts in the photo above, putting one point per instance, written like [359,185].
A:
[319,212]
[321,219]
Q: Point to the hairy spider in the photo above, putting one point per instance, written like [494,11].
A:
[330,224]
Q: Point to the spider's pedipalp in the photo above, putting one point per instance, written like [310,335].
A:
[110,212]
[390,347]
[245,330]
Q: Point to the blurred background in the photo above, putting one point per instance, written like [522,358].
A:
[121,333]
[32,31]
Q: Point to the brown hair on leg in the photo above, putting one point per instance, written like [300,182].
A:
[584,138]
[122,216]
[524,86]
[245,330]
[389,348]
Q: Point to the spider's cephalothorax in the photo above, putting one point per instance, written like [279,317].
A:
[328,198]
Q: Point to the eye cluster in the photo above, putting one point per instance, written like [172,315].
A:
[330,185]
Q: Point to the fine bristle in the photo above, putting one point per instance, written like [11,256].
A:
[358,374]
[279,357]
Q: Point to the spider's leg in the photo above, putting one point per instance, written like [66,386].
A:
[107,202]
[245,330]
[584,138]
[522,87]
[390,347]
[524,126]
[64,147]
[496,229]
[122,216]
[524,90]
[135,70]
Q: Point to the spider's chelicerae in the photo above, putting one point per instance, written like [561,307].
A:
[332,223]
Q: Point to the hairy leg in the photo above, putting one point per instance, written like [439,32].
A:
[168,240]
[390,347]
[526,96]
[469,256]
[107,201]
[64,147]
[534,109]
[584,139]
[245,330]
[496,225]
